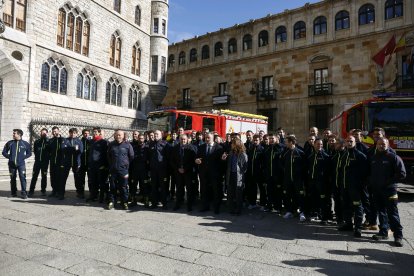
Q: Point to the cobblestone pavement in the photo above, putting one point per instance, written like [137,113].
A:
[41,236]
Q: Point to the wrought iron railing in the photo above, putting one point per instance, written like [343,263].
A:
[320,89]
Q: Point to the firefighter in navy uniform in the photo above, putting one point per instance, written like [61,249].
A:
[17,151]
[84,163]
[138,172]
[336,177]
[387,169]
[55,151]
[318,163]
[354,168]
[41,151]
[71,160]
[254,174]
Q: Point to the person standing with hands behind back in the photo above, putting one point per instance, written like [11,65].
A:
[235,175]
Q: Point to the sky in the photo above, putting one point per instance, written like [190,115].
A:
[188,18]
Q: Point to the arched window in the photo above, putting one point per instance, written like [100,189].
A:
[247,42]
[86,85]
[171,61]
[218,49]
[394,8]
[139,107]
[205,52]
[366,14]
[73,30]
[181,58]
[342,20]
[319,25]
[232,46]
[299,30]
[14,14]
[115,50]
[193,55]
[263,38]
[113,93]
[117,6]
[134,98]
[138,15]
[54,77]
[281,34]
[136,60]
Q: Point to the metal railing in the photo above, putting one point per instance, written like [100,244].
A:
[267,94]
[185,103]
[221,100]
[320,89]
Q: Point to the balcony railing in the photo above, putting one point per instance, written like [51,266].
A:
[405,81]
[185,103]
[320,89]
[267,94]
[221,100]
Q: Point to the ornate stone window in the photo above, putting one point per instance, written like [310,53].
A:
[14,14]
[319,25]
[138,15]
[263,38]
[205,52]
[394,8]
[113,92]
[86,85]
[281,34]
[218,49]
[232,46]
[115,50]
[366,14]
[134,98]
[299,30]
[193,55]
[342,20]
[247,42]
[54,77]
[136,60]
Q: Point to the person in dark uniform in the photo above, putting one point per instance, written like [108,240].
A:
[56,157]
[254,174]
[210,167]
[308,146]
[120,155]
[182,162]
[336,177]
[138,170]
[387,169]
[235,175]
[249,140]
[85,140]
[17,151]
[72,160]
[281,133]
[318,163]
[41,151]
[159,152]
[293,162]
[326,133]
[354,168]
[98,167]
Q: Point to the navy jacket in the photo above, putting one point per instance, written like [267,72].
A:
[85,153]
[354,166]
[255,162]
[41,150]
[318,166]
[294,165]
[159,152]
[141,157]
[98,154]
[211,165]
[271,161]
[56,146]
[17,151]
[120,155]
[183,157]
[72,152]
[387,169]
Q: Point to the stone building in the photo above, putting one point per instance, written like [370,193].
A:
[81,63]
[299,67]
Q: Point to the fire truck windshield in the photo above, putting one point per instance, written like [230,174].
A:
[395,118]
[161,121]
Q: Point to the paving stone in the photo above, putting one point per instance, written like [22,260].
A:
[258,269]
[141,244]
[221,262]
[8,259]
[58,259]
[179,253]
[30,268]
[93,267]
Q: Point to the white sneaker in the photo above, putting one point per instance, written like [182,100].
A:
[302,217]
[288,215]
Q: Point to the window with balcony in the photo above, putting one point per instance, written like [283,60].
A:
[222,88]
[299,30]
[247,42]
[321,85]
[319,25]
[14,14]
[54,77]
[394,8]
[263,38]
[267,91]
[113,92]
[185,102]
[281,34]
[86,85]
[366,14]
[342,20]
[205,52]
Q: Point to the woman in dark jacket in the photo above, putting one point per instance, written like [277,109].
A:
[235,175]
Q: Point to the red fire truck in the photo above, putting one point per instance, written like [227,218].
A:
[394,112]
[221,121]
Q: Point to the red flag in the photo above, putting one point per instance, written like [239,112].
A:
[388,49]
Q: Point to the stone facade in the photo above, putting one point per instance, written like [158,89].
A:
[24,100]
[346,54]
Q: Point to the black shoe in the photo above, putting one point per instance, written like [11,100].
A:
[216,211]
[165,207]
[61,197]
[357,234]
[52,194]
[176,207]
[189,209]
[205,210]
[346,227]
[398,242]
[31,193]
[24,196]
[380,237]
[14,195]
[43,193]
[91,199]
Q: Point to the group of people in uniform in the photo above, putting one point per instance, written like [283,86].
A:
[328,179]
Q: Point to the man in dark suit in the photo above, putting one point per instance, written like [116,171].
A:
[210,170]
